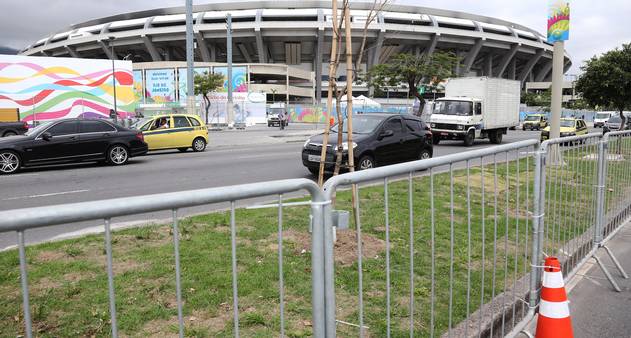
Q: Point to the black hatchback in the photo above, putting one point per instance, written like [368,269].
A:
[378,139]
[70,140]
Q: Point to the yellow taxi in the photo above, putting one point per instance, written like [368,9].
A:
[569,127]
[535,121]
[174,131]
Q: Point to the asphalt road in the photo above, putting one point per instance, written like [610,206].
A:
[166,171]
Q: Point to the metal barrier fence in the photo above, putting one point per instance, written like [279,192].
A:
[449,246]
[457,240]
[23,219]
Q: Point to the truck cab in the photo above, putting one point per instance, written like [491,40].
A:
[459,118]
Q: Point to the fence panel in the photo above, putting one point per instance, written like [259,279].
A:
[439,247]
[243,267]
[617,182]
[569,199]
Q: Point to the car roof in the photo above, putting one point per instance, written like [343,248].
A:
[172,114]
[386,115]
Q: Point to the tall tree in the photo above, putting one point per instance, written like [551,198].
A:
[205,84]
[606,80]
[414,71]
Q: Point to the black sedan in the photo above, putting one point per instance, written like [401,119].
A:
[70,140]
[378,139]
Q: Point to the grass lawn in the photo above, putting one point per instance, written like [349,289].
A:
[68,281]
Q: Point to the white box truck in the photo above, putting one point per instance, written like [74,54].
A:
[476,108]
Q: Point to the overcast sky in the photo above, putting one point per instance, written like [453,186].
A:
[596,26]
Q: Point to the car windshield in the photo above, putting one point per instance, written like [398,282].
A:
[532,118]
[567,123]
[461,108]
[140,123]
[362,124]
[602,115]
[38,129]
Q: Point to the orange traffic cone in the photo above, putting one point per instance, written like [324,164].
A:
[554,314]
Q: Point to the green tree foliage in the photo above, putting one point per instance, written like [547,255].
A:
[537,99]
[606,80]
[414,71]
[207,83]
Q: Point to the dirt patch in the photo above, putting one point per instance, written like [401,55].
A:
[197,320]
[50,256]
[45,284]
[120,267]
[301,241]
[346,247]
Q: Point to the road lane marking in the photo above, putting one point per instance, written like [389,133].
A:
[45,195]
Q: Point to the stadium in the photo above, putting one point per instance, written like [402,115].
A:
[285,45]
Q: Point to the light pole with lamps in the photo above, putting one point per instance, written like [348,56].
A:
[111,39]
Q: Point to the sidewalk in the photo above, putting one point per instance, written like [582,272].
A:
[597,310]
[261,134]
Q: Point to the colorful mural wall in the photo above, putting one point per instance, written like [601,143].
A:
[47,88]
[239,78]
[182,77]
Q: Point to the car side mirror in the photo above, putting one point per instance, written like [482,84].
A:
[386,133]
[47,136]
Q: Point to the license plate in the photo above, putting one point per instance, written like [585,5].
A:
[314,158]
[444,134]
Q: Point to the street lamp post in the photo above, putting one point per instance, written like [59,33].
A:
[111,38]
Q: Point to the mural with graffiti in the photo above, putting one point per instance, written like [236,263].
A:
[49,88]
[306,113]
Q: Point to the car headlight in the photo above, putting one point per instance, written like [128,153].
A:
[306,143]
[460,127]
[345,146]
[433,125]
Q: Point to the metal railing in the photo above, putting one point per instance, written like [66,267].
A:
[23,219]
[479,255]
[449,246]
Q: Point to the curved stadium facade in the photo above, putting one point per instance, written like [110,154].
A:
[296,35]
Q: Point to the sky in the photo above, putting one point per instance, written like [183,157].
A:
[596,26]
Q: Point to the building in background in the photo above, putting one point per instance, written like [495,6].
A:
[298,34]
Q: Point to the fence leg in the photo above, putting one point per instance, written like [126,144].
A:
[606,272]
[615,261]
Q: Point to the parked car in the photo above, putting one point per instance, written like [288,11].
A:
[12,128]
[378,139]
[174,131]
[569,127]
[613,123]
[70,140]
[10,123]
[535,122]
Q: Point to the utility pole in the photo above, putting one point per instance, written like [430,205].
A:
[111,39]
[229,110]
[190,58]
[558,33]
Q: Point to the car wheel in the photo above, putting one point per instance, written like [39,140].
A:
[469,139]
[9,162]
[9,133]
[182,149]
[435,140]
[424,154]
[199,144]
[117,155]
[366,162]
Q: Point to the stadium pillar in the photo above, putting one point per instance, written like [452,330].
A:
[229,106]
[190,92]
